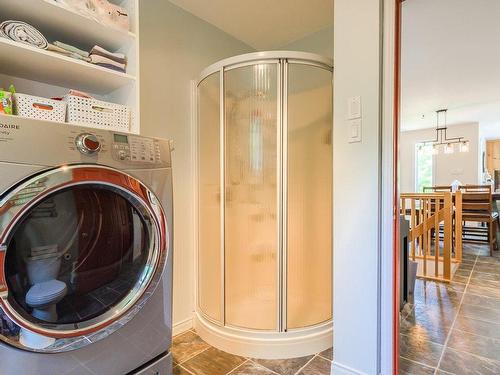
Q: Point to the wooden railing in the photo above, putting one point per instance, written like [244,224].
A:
[430,215]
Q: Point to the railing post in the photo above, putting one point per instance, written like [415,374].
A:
[448,211]
[413,249]
[424,242]
[437,207]
[458,225]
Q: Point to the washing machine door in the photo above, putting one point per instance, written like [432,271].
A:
[82,247]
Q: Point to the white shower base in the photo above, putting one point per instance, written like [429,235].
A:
[264,344]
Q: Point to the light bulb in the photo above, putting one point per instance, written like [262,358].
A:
[448,148]
[464,146]
[435,149]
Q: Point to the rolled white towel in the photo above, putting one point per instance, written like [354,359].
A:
[22,32]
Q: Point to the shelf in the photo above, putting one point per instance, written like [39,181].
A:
[58,23]
[20,120]
[35,64]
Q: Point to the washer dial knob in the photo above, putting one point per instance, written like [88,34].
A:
[87,144]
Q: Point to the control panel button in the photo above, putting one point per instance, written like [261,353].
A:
[87,143]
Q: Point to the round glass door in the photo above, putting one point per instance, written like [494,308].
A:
[78,255]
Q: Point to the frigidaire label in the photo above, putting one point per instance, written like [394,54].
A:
[9,126]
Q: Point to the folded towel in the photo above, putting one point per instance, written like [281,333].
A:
[81,94]
[22,32]
[112,67]
[71,48]
[118,57]
[56,49]
[97,59]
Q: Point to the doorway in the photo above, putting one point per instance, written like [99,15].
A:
[448,131]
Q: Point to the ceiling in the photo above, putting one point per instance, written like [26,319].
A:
[451,59]
[263,24]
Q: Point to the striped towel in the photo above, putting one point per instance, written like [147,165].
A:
[107,63]
[120,58]
[22,32]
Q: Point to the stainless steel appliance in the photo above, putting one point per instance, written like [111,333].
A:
[85,251]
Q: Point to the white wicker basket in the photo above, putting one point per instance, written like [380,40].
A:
[97,114]
[39,108]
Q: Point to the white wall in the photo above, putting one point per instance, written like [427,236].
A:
[320,42]
[464,167]
[175,47]
[357,193]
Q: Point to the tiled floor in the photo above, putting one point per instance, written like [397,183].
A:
[455,328]
[193,356]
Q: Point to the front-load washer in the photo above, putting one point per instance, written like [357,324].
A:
[85,251]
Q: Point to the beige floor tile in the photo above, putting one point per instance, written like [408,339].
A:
[318,366]
[328,354]
[187,345]
[178,370]
[284,366]
[251,368]
[213,362]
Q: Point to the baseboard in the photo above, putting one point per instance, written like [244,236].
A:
[340,369]
[182,326]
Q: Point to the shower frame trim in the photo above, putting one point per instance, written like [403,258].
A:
[255,57]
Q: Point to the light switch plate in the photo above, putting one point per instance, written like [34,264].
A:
[354,130]
[354,108]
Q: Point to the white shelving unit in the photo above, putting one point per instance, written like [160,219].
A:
[44,73]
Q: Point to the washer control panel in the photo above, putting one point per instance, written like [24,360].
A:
[87,143]
[135,149]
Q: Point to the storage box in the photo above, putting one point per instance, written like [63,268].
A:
[97,114]
[39,108]
[6,102]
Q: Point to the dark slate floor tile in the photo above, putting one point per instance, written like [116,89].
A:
[478,327]
[422,326]
[487,268]
[460,279]
[463,272]
[213,362]
[416,348]
[486,276]
[434,317]
[483,291]
[480,313]
[475,344]
[484,282]
[407,367]
[474,299]
[284,366]
[468,364]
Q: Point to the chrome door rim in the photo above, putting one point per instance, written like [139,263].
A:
[62,178]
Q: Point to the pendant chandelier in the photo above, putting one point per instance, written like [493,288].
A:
[442,140]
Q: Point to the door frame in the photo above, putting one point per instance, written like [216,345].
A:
[389,267]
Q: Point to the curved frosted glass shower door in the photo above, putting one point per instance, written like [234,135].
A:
[265,204]
[251,199]
[309,196]
[209,196]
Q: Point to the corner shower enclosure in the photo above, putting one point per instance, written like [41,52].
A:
[264,261]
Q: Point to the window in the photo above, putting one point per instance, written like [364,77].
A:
[423,166]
